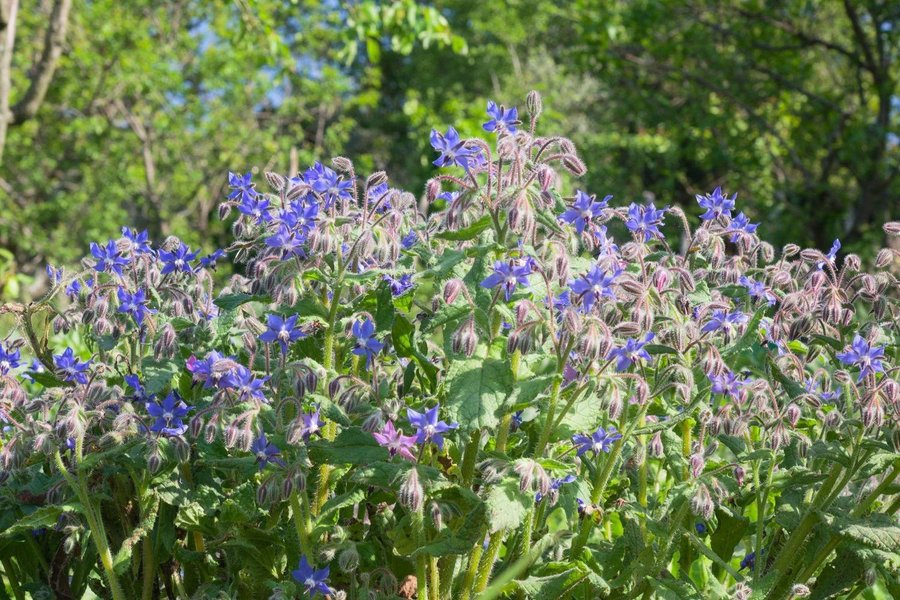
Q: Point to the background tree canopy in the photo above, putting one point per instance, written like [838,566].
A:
[133,112]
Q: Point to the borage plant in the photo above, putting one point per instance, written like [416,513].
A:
[481,394]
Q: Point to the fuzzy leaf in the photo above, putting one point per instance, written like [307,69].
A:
[352,446]
[478,393]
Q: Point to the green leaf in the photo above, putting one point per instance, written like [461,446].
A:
[552,587]
[47,379]
[233,301]
[478,392]
[45,516]
[352,446]
[339,502]
[507,506]
[729,530]
[158,375]
[466,233]
[877,531]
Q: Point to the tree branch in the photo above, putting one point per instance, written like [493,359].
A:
[28,106]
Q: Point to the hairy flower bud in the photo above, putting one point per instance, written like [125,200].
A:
[464,339]
[276,181]
[739,475]
[348,559]
[154,462]
[574,165]
[411,494]
[342,164]
[432,190]
[534,104]
[702,504]
[452,289]
[698,463]
[793,414]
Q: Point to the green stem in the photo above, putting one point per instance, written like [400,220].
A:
[149,568]
[11,574]
[857,512]
[527,531]
[487,563]
[551,411]
[301,522]
[705,551]
[470,456]
[434,585]
[418,528]
[472,570]
[98,532]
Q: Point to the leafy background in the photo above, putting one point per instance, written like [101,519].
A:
[792,104]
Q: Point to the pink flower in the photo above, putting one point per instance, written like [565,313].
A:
[396,442]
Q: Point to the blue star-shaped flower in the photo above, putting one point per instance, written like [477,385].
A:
[428,427]
[583,210]
[502,119]
[168,415]
[366,344]
[601,440]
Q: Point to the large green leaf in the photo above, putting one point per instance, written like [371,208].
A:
[877,531]
[352,446]
[507,506]
[478,392]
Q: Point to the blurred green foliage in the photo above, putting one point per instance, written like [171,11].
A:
[792,104]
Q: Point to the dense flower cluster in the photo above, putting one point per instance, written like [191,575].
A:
[494,389]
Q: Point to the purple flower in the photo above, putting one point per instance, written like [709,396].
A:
[109,259]
[716,204]
[606,245]
[396,443]
[701,528]
[313,582]
[722,319]
[645,220]
[741,223]
[241,186]
[70,367]
[134,305]
[727,384]
[140,242]
[507,275]
[832,254]
[630,353]
[757,290]
[55,275]
[283,331]
[300,217]
[256,207]
[554,486]
[209,261]
[212,369]
[594,285]
[583,210]
[10,358]
[168,415]
[399,286]
[140,394]
[312,423]
[453,150]
[749,561]
[599,441]
[409,240]
[810,386]
[287,242]
[178,260]
[429,429]
[366,344]
[502,119]
[863,355]
[245,383]
[265,451]
[329,184]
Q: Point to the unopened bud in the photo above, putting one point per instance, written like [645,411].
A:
[452,290]
[739,475]
[342,164]
[348,559]
[535,105]
[411,495]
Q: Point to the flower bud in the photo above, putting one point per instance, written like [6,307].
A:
[411,495]
[574,165]
[452,289]
[182,448]
[464,339]
[546,178]
[793,414]
[873,413]
[348,560]
[702,503]
[342,164]
[432,190]
[884,258]
[437,516]
[535,106]
[275,181]
[697,462]
[154,462]
[655,447]
[739,474]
